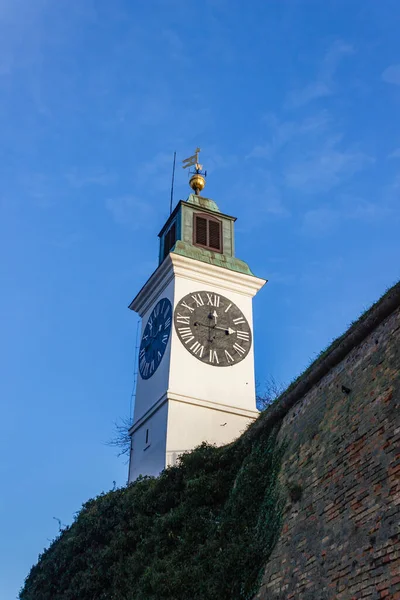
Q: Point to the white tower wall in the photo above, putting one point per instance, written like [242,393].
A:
[187,401]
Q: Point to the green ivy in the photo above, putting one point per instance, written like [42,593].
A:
[202,530]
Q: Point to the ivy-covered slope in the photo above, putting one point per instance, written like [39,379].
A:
[202,530]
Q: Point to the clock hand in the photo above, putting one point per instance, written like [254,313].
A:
[227,330]
[153,337]
[210,339]
[201,324]
[209,327]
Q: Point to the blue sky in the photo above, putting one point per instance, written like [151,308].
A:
[295,105]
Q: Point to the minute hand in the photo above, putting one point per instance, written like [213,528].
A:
[227,330]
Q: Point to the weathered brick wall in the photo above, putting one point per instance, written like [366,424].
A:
[341,539]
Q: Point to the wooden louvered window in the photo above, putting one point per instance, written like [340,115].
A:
[214,234]
[169,239]
[201,231]
[207,232]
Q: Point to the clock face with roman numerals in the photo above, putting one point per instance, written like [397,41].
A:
[155,338]
[212,328]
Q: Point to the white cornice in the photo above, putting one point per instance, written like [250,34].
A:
[195,270]
[205,273]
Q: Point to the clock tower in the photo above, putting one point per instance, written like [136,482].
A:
[196,362]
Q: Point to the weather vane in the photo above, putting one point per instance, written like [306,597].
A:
[198,176]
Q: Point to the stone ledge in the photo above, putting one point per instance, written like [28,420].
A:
[331,357]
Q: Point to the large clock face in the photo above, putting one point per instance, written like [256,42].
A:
[155,338]
[212,328]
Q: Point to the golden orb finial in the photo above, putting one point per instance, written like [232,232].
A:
[198,179]
[197,183]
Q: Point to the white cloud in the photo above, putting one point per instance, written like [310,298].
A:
[77,179]
[322,220]
[333,57]
[156,172]
[262,151]
[67,241]
[312,91]
[175,45]
[326,167]
[282,132]
[392,74]
[324,84]
[273,205]
[215,161]
[395,153]
[392,190]
[271,198]
[131,212]
[319,220]
[41,188]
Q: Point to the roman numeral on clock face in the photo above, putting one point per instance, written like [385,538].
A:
[243,335]
[212,328]
[228,357]
[198,299]
[213,358]
[155,338]
[197,349]
[239,320]
[182,319]
[145,369]
[239,349]
[186,334]
[186,305]
[213,300]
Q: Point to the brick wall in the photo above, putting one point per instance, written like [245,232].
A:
[341,538]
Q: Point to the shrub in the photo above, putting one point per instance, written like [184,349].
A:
[201,530]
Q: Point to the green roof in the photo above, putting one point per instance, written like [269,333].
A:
[203,202]
[212,258]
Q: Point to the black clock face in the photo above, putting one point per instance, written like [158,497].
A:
[155,338]
[212,328]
